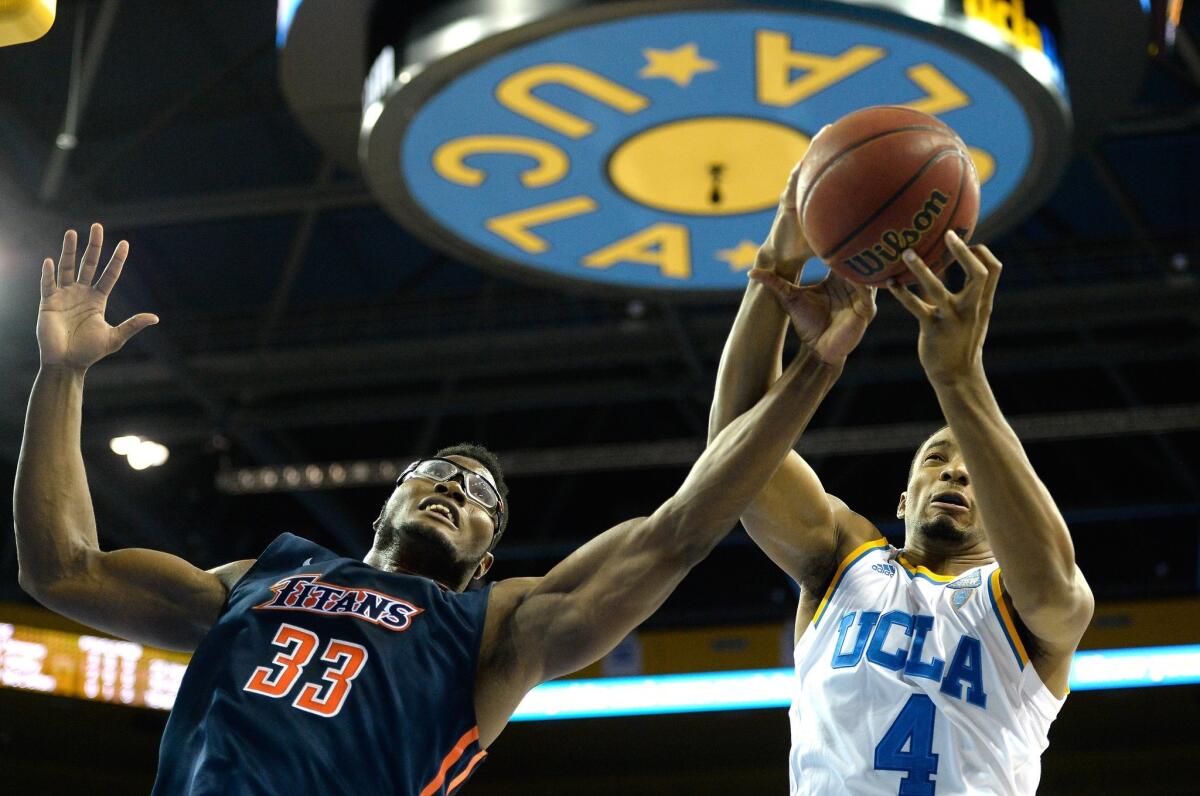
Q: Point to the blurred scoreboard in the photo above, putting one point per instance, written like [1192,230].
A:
[89,667]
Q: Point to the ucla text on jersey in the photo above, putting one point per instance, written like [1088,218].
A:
[911,682]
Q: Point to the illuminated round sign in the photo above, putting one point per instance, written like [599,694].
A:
[644,146]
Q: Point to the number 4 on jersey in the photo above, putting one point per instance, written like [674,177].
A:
[347,659]
[912,728]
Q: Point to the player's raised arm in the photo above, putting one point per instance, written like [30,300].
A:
[142,595]
[1023,525]
[791,519]
[557,624]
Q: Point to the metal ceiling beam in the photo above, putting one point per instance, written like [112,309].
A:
[84,65]
[228,205]
[165,117]
[1117,191]
[298,248]
[856,441]
[541,386]
[1049,312]
[134,412]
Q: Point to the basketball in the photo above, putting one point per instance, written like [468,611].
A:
[881,180]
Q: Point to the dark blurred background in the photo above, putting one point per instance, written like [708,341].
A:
[302,325]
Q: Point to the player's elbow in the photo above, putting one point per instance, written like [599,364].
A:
[1059,614]
[41,577]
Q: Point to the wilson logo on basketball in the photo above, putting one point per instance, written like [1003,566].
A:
[893,242]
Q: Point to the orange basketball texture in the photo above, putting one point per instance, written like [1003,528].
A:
[882,180]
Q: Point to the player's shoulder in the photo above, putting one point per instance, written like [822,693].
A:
[507,595]
[855,533]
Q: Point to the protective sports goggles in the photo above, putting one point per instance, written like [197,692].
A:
[477,488]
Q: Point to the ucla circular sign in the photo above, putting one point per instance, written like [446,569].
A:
[644,147]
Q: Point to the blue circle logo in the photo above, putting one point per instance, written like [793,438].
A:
[648,152]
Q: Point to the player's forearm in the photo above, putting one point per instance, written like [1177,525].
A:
[744,456]
[52,508]
[1024,526]
[751,360]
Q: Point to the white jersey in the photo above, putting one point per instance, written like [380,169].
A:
[910,682]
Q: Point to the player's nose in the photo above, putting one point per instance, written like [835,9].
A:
[453,489]
[954,473]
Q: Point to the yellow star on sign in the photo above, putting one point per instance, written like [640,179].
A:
[741,257]
[680,64]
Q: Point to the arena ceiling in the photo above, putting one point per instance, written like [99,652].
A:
[301,325]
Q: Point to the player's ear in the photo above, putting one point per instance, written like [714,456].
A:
[485,564]
[900,508]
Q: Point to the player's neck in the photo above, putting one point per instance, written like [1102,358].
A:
[941,560]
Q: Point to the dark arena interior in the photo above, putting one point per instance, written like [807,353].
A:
[323,325]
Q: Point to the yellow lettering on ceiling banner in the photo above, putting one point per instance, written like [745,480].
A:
[985,164]
[663,245]
[552,162]
[515,92]
[941,95]
[1008,17]
[776,60]
[514,227]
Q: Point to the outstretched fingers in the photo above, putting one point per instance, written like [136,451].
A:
[787,200]
[910,300]
[993,276]
[66,260]
[782,288]
[112,271]
[932,288]
[976,272]
[47,285]
[91,255]
[124,332]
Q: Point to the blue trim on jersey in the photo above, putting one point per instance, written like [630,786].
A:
[1004,628]
[923,576]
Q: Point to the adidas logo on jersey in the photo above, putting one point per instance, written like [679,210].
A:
[308,593]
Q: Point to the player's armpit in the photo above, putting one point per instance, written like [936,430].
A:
[141,595]
[1058,616]
[1051,626]
[587,603]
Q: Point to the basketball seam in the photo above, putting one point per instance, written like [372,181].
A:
[941,153]
[962,179]
[856,145]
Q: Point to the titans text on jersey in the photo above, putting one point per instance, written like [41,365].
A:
[307,593]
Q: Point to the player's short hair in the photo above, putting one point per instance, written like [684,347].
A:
[912,466]
[479,453]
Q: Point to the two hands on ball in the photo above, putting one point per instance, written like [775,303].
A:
[71,329]
[831,316]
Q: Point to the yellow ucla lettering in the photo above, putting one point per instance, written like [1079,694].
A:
[941,95]
[663,245]
[985,164]
[449,159]
[775,59]
[1008,17]
[514,227]
[515,93]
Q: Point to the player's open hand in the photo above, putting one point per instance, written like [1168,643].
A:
[71,329]
[830,317]
[785,250]
[953,325]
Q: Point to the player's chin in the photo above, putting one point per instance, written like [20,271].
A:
[947,528]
